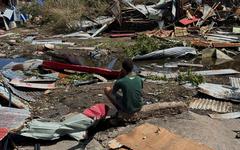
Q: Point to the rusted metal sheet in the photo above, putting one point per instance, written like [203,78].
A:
[210,104]
[13,118]
[203,43]
[122,35]
[159,33]
[232,115]
[219,91]
[180,31]
[235,82]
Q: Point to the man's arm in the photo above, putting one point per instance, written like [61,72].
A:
[116,87]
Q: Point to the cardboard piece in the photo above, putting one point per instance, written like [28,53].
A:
[150,137]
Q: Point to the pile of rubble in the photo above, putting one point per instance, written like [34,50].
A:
[208,30]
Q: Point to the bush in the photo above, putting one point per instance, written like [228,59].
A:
[145,44]
[190,77]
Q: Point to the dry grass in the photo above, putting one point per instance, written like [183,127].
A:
[57,14]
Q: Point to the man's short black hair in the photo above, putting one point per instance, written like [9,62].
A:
[127,65]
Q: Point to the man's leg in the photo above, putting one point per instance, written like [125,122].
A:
[108,93]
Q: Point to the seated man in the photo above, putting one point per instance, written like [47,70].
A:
[130,101]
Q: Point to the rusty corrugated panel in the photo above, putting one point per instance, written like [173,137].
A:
[235,82]
[202,43]
[209,104]
[13,118]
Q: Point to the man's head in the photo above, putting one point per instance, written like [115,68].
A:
[127,65]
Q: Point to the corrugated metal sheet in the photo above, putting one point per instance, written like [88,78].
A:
[12,118]
[170,52]
[175,75]
[74,126]
[209,104]
[235,82]
[26,95]
[220,91]
[217,72]
[158,74]
[16,101]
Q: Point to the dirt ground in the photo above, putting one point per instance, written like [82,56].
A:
[62,101]
[217,134]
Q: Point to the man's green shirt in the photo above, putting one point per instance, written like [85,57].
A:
[131,87]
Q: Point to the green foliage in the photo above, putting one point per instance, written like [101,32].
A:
[156,78]
[75,77]
[34,9]
[145,44]
[190,77]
